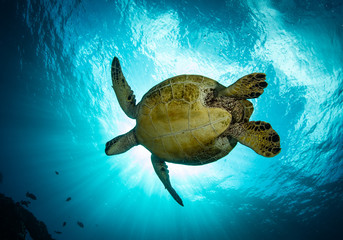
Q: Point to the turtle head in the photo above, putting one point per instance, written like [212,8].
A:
[121,143]
[112,147]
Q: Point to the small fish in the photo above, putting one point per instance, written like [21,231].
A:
[57,172]
[80,224]
[25,203]
[31,195]
[64,223]
[58,232]
[68,199]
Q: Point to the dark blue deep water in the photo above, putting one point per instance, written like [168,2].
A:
[58,110]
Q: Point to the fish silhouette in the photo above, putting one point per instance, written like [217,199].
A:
[31,195]
[80,224]
[25,203]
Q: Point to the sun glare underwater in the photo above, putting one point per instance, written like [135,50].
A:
[58,109]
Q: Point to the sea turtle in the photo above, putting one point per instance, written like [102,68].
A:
[192,120]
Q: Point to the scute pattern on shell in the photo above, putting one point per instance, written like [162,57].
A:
[173,122]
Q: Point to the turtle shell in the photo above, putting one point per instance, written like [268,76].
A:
[174,123]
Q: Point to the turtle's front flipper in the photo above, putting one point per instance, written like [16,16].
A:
[162,172]
[123,91]
[259,136]
[249,86]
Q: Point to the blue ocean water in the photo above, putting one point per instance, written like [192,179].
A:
[58,110]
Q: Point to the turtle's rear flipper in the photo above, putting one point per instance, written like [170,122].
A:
[122,89]
[259,136]
[162,172]
[248,109]
[249,86]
